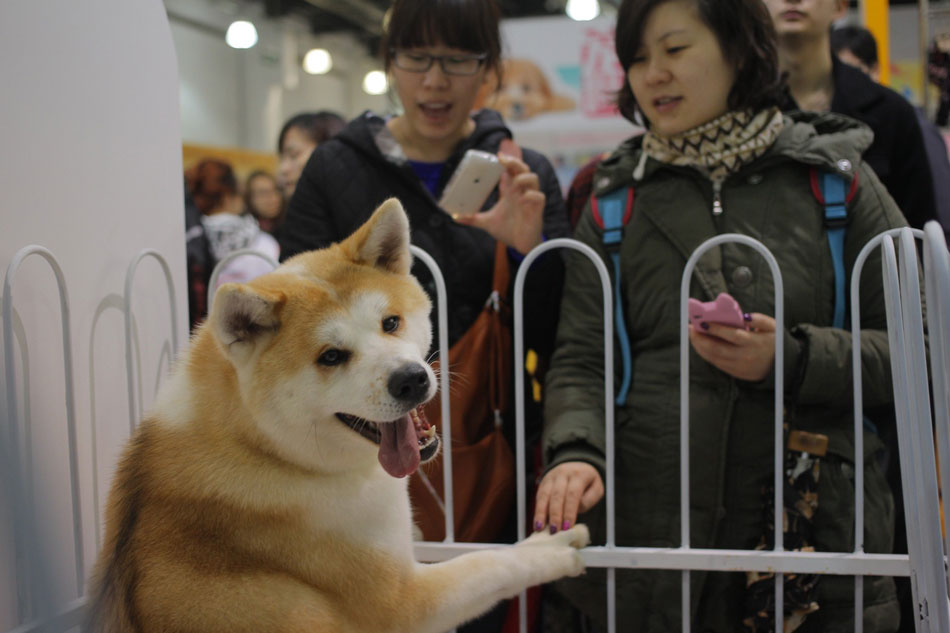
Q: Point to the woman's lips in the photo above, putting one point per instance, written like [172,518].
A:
[664,105]
[437,111]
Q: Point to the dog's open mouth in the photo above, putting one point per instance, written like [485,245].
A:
[403,444]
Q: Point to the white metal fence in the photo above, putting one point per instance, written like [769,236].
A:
[928,546]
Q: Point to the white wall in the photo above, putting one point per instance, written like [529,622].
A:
[90,168]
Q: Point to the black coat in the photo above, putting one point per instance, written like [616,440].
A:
[348,176]
[897,155]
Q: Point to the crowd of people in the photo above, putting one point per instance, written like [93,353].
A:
[743,106]
[223,216]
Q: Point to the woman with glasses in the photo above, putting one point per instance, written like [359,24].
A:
[439,54]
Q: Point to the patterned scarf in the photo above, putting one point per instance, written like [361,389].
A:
[720,147]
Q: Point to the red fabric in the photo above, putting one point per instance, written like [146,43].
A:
[581,188]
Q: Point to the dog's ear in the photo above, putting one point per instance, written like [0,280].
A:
[242,316]
[383,241]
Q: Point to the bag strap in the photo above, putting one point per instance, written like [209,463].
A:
[832,192]
[500,275]
[611,212]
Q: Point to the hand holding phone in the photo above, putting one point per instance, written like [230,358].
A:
[724,309]
[474,179]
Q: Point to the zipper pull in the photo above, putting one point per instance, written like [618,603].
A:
[717,197]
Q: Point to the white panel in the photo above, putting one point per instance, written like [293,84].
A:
[90,167]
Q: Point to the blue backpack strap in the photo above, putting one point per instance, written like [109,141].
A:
[834,191]
[612,211]
[834,197]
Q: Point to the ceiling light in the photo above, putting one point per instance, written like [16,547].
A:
[582,10]
[317,61]
[375,83]
[241,34]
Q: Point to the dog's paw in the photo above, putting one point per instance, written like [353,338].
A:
[577,566]
[577,537]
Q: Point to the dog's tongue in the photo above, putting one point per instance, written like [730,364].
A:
[399,447]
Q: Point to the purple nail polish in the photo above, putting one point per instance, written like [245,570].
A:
[704,325]
[746,316]
[538,526]
[566,526]
[553,528]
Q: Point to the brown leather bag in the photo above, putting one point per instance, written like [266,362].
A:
[483,465]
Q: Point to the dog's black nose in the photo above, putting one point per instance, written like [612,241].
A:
[409,382]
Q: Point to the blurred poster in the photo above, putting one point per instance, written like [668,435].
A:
[559,82]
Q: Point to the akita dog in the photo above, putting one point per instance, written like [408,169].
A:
[266,490]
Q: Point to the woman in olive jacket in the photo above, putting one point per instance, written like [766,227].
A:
[718,158]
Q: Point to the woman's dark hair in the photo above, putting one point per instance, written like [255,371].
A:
[209,182]
[318,126]
[745,33]
[856,39]
[469,25]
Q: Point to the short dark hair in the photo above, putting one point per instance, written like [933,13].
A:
[469,25]
[856,39]
[209,182]
[318,126]
[745,33]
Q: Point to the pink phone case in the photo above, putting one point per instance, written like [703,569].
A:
[724,309]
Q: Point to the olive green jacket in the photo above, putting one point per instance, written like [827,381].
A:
[731,421]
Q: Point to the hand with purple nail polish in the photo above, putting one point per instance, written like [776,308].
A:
[565,491]
[746,354]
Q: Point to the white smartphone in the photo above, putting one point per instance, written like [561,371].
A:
[472,182]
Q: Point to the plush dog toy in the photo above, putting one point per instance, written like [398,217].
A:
[525,92]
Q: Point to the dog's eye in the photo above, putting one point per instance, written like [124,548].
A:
[333,357]
[390,324]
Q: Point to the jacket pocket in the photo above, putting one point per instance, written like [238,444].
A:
[835,516]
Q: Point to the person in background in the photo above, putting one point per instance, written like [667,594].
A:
[198,262]
[819,82]
[938,72]
[264,200]
[301,134]
[439,54]
[213,187]
[855,45]
[718,157]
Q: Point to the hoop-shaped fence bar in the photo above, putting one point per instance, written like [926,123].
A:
[23,536]
[684,403]
[937,287]
[216,271]
[127,313]
[520,449]
[915,438]
[442,306]
[858,390]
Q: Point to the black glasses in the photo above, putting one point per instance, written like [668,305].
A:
[451,64]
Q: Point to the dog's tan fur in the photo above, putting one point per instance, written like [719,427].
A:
[243,504]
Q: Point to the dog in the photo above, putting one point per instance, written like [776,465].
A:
[525,92]
[266,488]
